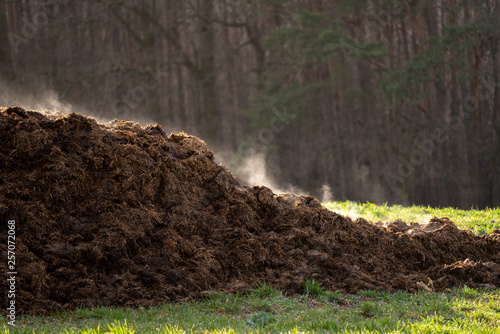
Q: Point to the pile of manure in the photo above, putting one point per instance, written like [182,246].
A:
[119,214]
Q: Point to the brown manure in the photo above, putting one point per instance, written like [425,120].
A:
[120,214]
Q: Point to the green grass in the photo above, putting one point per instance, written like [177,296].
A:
[478,221]
[459,310]
[266,310]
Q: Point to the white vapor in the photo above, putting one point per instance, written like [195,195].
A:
[253,171]
[48,102]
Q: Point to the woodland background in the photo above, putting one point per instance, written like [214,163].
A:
[373,100]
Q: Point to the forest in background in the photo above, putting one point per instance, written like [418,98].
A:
[379,100]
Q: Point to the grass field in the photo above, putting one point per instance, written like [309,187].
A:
[266,310]
[478,221]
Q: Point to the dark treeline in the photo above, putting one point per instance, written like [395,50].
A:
[383,100]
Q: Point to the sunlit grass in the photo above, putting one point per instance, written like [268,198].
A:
[266,310]
[478,221]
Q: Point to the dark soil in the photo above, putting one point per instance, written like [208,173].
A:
[119,214]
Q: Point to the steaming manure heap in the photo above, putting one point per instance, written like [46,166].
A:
[120,214]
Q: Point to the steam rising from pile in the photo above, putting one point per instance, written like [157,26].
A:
[254,171]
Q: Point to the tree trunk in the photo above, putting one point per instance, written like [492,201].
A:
[7,72]
[153,108]
[495,118]
[208,83]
